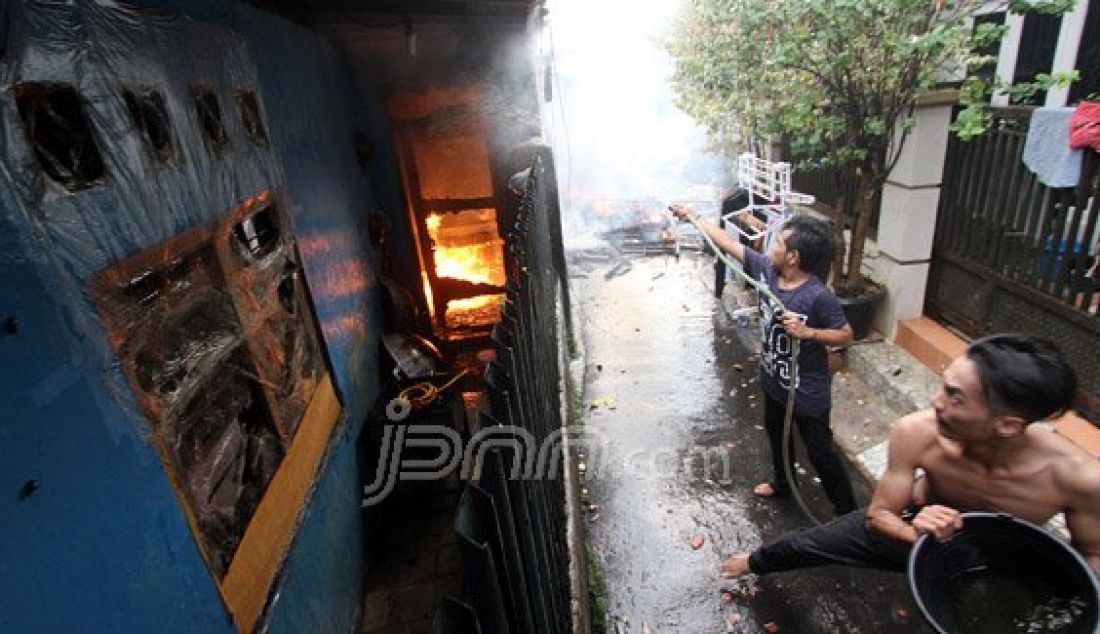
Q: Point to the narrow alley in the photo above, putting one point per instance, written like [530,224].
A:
[670,391]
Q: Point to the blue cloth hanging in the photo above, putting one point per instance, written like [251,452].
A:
[1047,152]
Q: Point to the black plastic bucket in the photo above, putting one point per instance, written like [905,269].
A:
[1002,574]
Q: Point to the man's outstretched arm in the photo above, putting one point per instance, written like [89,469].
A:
[721,238]
[907,441]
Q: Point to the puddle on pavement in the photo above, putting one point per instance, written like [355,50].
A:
[682,446]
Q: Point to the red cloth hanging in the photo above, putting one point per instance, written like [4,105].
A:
[1084,127]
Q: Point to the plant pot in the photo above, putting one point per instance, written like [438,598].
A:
[860,310]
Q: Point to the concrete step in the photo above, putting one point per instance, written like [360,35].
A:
[895,374]
[932,344]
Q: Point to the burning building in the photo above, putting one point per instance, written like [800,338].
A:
[212,212]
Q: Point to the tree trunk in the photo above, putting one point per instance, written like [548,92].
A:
[865,198]
[840,215]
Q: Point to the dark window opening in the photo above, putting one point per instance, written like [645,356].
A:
[251,118]
[150,116]
[6,11]
[1088,58]
[1037,43]
[60,133]
[258,235]
[988,71]
[210,118]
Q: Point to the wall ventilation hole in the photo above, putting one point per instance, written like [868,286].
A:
[257,235]
[149,114]
[250,117]
[29,488]
[11,326]
[60,133]
[210,117]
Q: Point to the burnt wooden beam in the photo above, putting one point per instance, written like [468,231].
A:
[459,204]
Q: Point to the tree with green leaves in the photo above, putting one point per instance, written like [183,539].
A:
[837,79]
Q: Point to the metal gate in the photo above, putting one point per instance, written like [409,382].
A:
[1013,255]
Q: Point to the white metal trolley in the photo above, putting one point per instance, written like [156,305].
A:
[770,197]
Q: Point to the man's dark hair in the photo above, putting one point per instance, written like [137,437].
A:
[1023,375]
[814,242]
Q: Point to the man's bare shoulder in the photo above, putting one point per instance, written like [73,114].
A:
[913,436]
[1077,470]
[915,426]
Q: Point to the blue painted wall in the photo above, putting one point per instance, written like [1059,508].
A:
[91,534]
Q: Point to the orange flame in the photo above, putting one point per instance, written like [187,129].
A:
[463,263]
[469,251]
[471,263]
[473,303]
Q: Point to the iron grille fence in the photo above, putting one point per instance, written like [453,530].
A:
[512,527]
[1011,254]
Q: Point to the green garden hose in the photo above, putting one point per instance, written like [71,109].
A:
[788,418]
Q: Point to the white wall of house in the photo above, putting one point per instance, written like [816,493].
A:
[902,252]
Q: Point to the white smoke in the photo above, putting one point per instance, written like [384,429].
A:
[617,134]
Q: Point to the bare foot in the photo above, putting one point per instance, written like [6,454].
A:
[734,567]
[766,490]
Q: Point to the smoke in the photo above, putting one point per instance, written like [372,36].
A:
[623,150]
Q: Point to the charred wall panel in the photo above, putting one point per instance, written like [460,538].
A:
[106,539]
[217,340]
[264,274]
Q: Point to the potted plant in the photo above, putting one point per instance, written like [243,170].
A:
[837,80]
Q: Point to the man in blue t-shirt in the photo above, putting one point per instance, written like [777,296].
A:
[791,269]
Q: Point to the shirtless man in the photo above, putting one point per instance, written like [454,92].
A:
[979,452]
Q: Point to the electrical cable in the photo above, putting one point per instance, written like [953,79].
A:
[788,418]
[417,396]
[420,394]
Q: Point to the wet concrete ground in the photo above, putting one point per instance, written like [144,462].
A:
[664,398]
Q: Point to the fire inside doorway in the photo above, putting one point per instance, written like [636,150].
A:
[469,258]
[454,208]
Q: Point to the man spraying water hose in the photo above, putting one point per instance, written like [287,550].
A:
[978,451]
[810,313]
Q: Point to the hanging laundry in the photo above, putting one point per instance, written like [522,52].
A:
[1047,152]
[1084,127]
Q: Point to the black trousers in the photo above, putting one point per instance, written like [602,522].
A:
[818,438]
[846,541]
